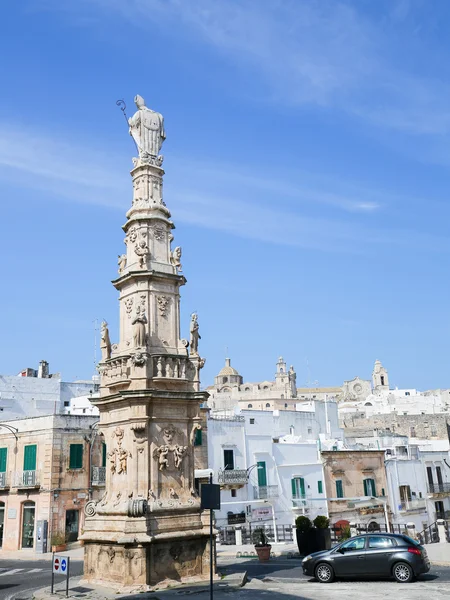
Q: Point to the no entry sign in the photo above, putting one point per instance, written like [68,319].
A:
[60,566]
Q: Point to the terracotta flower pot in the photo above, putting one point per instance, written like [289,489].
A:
[263,552]
[59,548]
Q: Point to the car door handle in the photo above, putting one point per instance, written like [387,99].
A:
[361,557]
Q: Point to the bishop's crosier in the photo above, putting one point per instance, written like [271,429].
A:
[148,527]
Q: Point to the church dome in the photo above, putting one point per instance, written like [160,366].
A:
[228,369]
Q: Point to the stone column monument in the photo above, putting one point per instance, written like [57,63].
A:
[148,527]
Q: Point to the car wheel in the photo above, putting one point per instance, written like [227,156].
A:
[324,573]
[403,573]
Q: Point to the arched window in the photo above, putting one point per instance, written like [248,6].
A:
[250,406]
[224,379]
[247,389]
[291,430]
[266,387]
[268,405]
[368,404]
[281,370]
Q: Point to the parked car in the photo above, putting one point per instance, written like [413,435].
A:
[369,555]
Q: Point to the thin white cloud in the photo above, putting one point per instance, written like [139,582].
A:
[248,205]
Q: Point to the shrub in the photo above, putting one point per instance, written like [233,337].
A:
[259,537]
[58,539]
[345,533]
[321,522]
[303,523]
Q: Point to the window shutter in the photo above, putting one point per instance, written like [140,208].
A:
[103,454]
[29,458]
[302,487]
[3,454]
[198,437]
[374,491]
[319,487]
[262,476]
[294,488]
[339,489]
[76,456]
[366,493]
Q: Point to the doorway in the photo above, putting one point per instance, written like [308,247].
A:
[72,517]
[2,521]
[28,509]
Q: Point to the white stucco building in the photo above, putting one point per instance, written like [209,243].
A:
[268,462]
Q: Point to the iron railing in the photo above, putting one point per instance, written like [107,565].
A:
[98,476]
[24,479]
[263,492]
[230,476]
[413,504]
[439,488]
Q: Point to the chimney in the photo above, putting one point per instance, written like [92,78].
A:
[43,371]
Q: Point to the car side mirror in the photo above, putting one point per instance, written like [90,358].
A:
[342,550]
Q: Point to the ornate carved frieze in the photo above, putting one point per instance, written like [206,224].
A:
[163,304]
[129,306]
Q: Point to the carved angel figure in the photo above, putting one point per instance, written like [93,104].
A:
[179,452]
[163,461]
[123,457]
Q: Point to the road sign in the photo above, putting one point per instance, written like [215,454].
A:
[60,566]
[56,564]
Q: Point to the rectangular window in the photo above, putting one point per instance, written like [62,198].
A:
[262,474]
[198,437]
[405,493]
[103,454]
[228,460]
[430,475]
[3,455]
[298,487]
[252,421]
[369,487]
[320,487]
[339,489]
[233,493]
[439,475]
[76,456]
[29,458]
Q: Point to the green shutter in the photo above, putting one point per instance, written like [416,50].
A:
[366,493]
[302,487]
[76,456]
[319,487]
[262,475]
[198,437]
[374,490]
[294,488]
[29,458]
[3,454]
[103,454]
[339,489]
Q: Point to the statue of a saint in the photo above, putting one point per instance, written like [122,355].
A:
[139,335]
[105,342]
[147,129]
[122,262]
[195,336]
[175,258]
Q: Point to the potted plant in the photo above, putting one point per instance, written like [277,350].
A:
[320,534]
[303,525]
[58,542]
[262,545]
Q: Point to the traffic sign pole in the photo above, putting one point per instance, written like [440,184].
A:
[53,571]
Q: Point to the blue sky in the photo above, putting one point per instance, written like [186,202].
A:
[307,171]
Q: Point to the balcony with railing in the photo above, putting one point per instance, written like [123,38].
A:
[232,477]
[413,505]
[299,501]
[4,481]
[439,488]
[263,492]
[98,476]
[26,479]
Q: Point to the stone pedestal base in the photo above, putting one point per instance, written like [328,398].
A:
[144,566]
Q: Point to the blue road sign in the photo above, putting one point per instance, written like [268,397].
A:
[63,565]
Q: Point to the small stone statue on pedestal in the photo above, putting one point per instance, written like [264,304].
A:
[139,334]
[105,342]
[195,336]
[175,257]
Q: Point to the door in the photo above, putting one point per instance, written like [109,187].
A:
[439,507]
[349,558]
[28,525]
[72,517]
[228,460]
[262,474]
[380,549]
[430,479]
[2,521]
[439,479]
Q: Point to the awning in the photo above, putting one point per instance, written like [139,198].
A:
[203,473]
